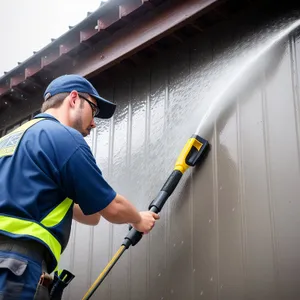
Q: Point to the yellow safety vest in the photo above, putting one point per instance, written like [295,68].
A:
[30,228]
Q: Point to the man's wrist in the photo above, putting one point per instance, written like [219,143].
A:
[139,219]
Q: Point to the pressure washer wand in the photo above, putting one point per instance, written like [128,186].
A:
[193,153]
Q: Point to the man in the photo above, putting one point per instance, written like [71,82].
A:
[49,176]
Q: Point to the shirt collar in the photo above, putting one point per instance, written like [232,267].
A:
[45,115]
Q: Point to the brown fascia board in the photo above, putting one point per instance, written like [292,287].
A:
[136,36]
[69,41]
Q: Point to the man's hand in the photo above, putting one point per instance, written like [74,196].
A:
[147,222]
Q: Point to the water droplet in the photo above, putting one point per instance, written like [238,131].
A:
[162,298]
[221,188]
[172,292]
[211,279]
[181,242]
[209,221]
[233,209]
[201,293]
[174,245]
[159,275]
[194,270]
[221,286]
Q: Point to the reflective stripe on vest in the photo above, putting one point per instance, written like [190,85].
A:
[57,214]
[9,142]
[21,227]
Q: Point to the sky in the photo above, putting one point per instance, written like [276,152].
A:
[27,26]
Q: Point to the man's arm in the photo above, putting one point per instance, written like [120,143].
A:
[121,211]
[80,217]
[85,184]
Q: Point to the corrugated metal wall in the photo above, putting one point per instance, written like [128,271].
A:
[231,229]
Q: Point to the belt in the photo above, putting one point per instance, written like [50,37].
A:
[30,248]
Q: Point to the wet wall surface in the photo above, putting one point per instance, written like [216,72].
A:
[230,231]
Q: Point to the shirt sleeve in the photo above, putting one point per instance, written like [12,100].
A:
[84,183]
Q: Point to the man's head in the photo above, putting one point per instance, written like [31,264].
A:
[75,102]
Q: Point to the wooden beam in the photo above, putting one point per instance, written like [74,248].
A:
[129,6]
[67,47]
[86,34]
[31,70]
[14,81]
[108,19]
[49,58]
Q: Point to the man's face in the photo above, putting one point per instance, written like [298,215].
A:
[84,119]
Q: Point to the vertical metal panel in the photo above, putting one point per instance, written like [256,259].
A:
[81,242]
[102,234]
[284,181]
[204,205]
[230,230]
[158,122]
[179,256]
[119,179]
[137,176]
[255,196]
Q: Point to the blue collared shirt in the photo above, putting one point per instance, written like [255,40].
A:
[52,162]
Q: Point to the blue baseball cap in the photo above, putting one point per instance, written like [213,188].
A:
[68,83]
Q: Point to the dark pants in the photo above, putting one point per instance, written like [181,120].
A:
[21,267]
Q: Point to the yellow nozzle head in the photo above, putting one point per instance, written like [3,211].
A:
[189,153]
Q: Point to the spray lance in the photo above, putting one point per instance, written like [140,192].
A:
[193,153]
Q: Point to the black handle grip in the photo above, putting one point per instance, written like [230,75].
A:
[166,191]
[172,182]
[134,236]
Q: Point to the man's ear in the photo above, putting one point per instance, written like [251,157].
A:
[72,98]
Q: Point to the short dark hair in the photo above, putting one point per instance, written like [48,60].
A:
[54,102]
[57,100]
